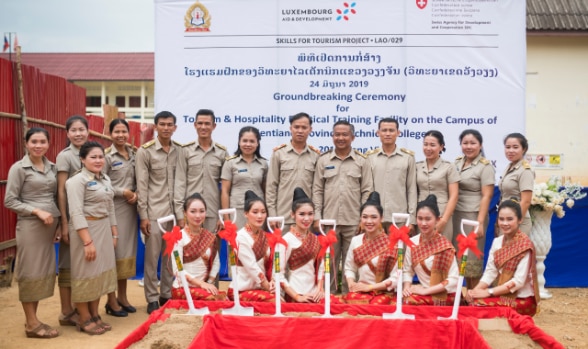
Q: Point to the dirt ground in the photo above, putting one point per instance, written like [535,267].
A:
[565,317]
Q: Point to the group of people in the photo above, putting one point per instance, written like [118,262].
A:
[90,198]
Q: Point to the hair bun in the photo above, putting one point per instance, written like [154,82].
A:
[250,195]
[299,194]
[373,199]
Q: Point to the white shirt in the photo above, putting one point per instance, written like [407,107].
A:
[425,279]
[197,268]
[248,273]
[522,279]
[366,275]
[302,280]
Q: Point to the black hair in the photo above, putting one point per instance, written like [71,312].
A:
[470,131]
[513,204]
[346,123]
[115,122]
[300,198]
[205,112]
[439,136]
[250,199]
[522,140]
[431,203]
[192,198]
[164,115]
[88,146]
[34,130]
[70,121]
[255,131]
[373,200]
[388,120]
[300,116]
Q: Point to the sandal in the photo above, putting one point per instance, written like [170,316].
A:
[47,332]
[105,325]
[68,320]
[95,330]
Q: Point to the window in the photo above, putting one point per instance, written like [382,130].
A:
[93,101]
[135,101]
[120,101]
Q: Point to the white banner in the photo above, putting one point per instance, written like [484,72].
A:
[447,65]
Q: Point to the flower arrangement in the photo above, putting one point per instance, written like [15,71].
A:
[551,195]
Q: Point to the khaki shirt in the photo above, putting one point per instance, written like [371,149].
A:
[89,196]
[244,176]
[474,176]
[155,170]
[519,178]
[395,181]
[120,171]
[28,188]
[287,171]
[341,186]
[68,160]
[436,181]
[199,171]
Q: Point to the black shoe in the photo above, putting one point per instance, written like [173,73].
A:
[117,313]
[128,308]
[162,301]
[152,306]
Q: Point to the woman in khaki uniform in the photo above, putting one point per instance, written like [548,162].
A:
[246,170]
[68,162]
[91,211]
[518,179]
[437,176]
[30,192]
[476,189]
[120,167]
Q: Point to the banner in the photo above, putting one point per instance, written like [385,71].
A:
[447,65]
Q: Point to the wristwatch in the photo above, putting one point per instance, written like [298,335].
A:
[491,291]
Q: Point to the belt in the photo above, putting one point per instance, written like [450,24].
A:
[91,218]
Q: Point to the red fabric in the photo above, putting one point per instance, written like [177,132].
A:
[443,333]
[229,233]
[399,235]
[171,237]
[463,243]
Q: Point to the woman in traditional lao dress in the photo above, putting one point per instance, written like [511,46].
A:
[432,259]
[301,259]
[253,255]
[370,265]
[198,253]
[511,263]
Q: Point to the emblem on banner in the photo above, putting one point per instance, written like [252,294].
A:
[347,10]
[421,4]
[197,18]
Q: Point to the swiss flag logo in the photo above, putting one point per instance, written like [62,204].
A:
[421,4]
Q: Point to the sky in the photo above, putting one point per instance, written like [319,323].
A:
[80,25]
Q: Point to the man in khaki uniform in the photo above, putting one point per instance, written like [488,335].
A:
[155,167]
[342,183]
[291,165]
[393,170]
[199,170]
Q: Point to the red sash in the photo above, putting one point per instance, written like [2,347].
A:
[369,249]
[260,247]
[306,252]
[444,255]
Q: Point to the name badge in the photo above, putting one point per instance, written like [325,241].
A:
[331,167]
[242,170]
[92,183]
[118,163]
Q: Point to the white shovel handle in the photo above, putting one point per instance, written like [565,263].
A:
[471,223]
[271,220]
[401,216]
[165,219]
[327,222]
[230,211]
